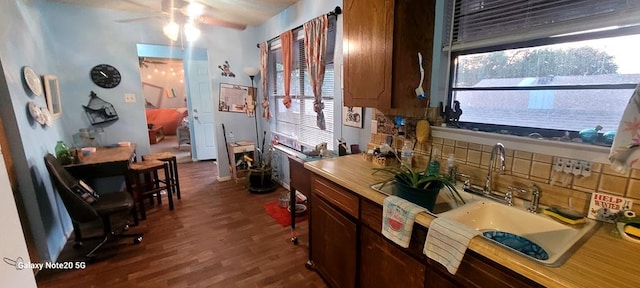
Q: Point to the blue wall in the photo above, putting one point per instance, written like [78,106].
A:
[67,41]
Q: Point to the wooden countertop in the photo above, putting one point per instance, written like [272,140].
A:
[604,260]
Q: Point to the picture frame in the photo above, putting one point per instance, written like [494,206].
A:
[52,92]
[236,98]
[353,116]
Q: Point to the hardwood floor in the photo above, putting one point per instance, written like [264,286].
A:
[219,235]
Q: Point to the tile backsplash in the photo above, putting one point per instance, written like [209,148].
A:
[524,168]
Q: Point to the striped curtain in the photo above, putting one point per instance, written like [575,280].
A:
[264,54]
[315,48]
[286,39]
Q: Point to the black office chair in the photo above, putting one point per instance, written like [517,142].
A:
[81,211]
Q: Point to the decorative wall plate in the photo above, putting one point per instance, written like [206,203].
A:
[48,118]
[33,80]
[36,113]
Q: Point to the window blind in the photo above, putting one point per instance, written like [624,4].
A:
[298,123]
[482,23]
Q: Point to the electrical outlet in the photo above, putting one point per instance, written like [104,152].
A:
[129,97]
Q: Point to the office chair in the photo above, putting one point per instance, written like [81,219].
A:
[84,208]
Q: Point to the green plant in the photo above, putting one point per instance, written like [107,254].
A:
[419,179]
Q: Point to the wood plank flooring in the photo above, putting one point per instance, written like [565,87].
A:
[218,236]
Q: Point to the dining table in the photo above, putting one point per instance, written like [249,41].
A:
[106,161]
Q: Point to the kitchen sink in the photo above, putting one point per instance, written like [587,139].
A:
[559,240]
[444,202]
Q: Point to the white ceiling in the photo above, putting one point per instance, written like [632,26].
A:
[246,12]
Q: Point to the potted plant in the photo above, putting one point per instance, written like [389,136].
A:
[259,177]
[419,187]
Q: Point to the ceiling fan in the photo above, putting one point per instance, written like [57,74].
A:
[186,15]
[144,62]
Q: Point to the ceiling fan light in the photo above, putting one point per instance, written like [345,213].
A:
[191,32]
[195,9]
[171,30]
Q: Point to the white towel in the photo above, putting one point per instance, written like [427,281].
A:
[625,152]
[447,241]
[398,216]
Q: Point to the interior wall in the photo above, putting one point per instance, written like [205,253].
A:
[67,41]
[163,83]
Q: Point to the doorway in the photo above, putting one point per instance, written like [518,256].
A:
[199,99]
[166,111]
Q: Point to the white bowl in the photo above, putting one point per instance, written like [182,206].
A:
[124,144]
[88,150]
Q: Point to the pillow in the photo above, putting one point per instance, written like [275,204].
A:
[86,192]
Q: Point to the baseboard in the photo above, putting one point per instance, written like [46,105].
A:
[225,178]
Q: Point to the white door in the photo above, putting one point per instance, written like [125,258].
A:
[13,247]
[201,107]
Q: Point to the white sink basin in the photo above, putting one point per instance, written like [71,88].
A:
[557,239]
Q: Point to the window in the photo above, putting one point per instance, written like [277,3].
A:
[296,127]
[525,66]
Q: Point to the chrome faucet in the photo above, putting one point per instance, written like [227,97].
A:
[536,192]
[497,149]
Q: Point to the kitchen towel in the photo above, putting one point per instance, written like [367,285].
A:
[398,216]
[447,241]
[625,151]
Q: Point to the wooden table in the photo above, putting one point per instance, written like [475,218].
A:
[106,162]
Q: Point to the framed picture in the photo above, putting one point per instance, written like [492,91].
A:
[52,91]
[352,116]
[235,98]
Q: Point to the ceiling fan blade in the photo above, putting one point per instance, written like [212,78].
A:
[139,19]
[217,22]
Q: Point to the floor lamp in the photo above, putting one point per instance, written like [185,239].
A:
[252,72]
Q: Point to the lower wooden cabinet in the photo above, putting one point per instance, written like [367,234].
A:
[348,250]
[333,248]
[384,265]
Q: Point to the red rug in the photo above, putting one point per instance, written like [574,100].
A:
[281,215]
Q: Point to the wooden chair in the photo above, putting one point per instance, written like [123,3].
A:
[144,181]
[173,181]
[90,208]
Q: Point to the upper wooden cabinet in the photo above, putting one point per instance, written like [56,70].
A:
[382,39]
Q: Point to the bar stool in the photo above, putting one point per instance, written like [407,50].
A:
[148,169]
[173,181]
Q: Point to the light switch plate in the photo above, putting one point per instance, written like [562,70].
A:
[129,97]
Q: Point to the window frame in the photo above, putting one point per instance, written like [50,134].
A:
[521,130]
[296,143]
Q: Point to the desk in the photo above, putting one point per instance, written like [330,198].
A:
[106,162]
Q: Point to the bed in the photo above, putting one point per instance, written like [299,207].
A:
[169,118]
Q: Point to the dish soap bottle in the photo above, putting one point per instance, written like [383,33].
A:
[406,154]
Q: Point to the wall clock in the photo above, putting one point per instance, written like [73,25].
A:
[105,76]
[33,80]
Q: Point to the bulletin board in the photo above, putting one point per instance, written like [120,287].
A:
[234,98]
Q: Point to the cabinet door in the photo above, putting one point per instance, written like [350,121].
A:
[384,265]
[334,244]
[367,52]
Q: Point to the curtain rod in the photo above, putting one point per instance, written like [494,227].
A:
[335,12]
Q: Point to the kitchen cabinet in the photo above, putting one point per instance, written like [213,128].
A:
[382,39]
[384,265]
[333,233]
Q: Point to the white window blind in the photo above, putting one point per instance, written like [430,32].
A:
[482,23]
[297,126]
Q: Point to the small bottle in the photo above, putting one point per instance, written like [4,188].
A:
[434,168]
[406,154]
[232,138]
[451,168]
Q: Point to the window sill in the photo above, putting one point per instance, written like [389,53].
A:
[571,150]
